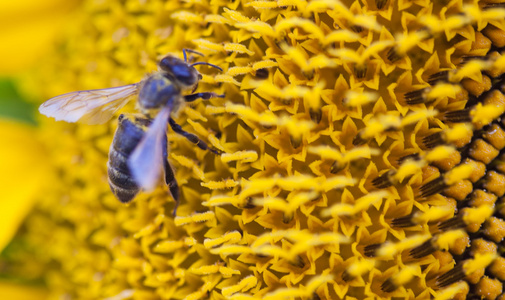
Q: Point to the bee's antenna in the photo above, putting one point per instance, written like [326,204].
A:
[207,64]
[190,51]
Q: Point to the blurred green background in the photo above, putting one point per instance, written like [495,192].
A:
[12,103]
[30,30]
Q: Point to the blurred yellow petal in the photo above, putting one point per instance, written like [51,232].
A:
[28,29]
[21,292]
[23,172]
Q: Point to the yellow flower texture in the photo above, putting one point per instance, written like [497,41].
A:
[362,154]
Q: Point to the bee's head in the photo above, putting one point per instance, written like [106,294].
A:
[185,74]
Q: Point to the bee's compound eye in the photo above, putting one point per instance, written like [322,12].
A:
[164,63]
[180,70]
[200,76]
[167,63]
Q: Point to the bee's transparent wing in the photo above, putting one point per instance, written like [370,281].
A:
[91,106]
[146,161]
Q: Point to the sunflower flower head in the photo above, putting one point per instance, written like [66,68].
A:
[362,154]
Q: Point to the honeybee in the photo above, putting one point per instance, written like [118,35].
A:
[138,153]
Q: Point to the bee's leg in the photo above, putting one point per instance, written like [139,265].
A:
[172,184]
[204,96]
[191,137]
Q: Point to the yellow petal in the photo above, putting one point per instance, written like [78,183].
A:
[23,172]
[26,25]
[21,292]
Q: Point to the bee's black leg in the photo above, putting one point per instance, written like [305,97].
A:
[204,96]
[172,184]
[191,137]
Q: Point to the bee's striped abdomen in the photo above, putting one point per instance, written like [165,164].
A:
[126,138]
[121,183]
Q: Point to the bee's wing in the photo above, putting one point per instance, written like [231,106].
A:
[91,106]
[146,161]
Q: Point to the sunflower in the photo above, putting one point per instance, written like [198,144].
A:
[361,154]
